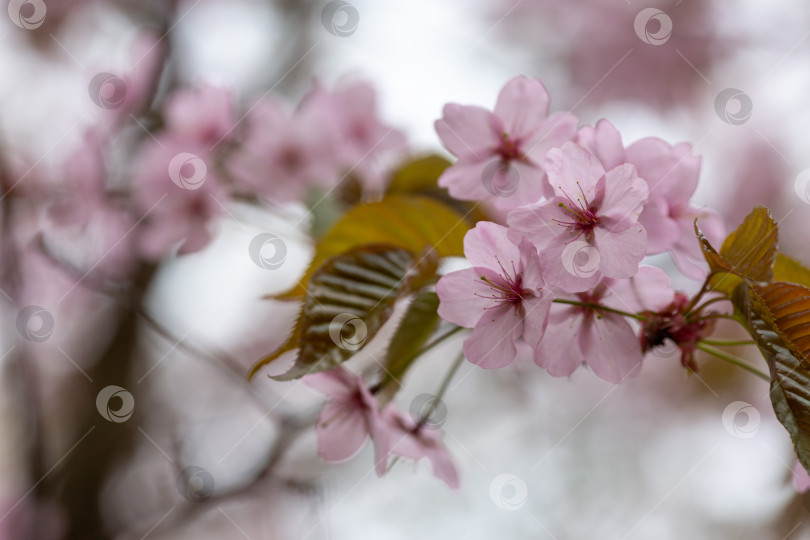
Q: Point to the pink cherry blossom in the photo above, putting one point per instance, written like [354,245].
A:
[284,155]
[177,195]
[603,340]
[672,174]
[501,153]
[411,441]
[365,146]
[593,212]
[203,114]
[502,297]
[348,418]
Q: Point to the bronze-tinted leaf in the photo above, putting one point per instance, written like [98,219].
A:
[348,300]
[407,221]
[778,318]
[787,269]
[750,250]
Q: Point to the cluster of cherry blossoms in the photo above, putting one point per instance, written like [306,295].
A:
[583,212]
[574,213]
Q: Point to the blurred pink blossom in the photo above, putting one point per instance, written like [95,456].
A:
[177,195]
[411,441]
[284,155]
[348,418]
[606,51]
[365,146]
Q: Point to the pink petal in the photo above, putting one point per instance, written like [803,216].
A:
[559,351]
[572,171]
[492,343]
[466,179]
[341,431]
[523,183]
[648,290]
[468,131]
[605,142]
[611,348]
[540,222]
[487,244]
[670,172]
[571,266]
[530,265]
[558,129]
[535,318]
[620,253]
[443,467]
[624,197]
[463,297]
[336,383]
[662,230]
[522,106]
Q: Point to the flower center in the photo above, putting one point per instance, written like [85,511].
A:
[510,149]
[581,216]
[507,289]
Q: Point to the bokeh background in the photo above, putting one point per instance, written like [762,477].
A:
[539,457]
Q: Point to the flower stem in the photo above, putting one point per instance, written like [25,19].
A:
[600,307]
[732,360]
[440,392]
[724,343]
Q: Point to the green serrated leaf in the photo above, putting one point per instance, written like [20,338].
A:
[778,318]
[413,332]
[788,269]
[348,300]
[406,221]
